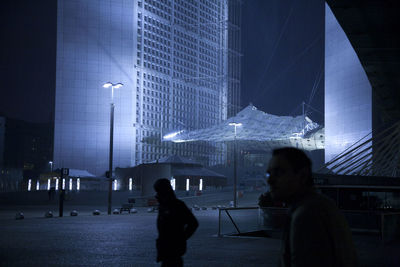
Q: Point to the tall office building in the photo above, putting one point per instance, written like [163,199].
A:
[179,61]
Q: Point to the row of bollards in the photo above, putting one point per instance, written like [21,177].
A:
[196,207]
[49,214]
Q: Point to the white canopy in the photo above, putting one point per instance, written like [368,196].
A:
[258,126]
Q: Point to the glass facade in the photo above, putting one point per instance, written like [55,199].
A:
[181,75]
[348,96]
[172,57]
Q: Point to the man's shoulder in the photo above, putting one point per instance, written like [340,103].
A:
[314,204]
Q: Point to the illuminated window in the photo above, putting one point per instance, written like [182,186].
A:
[187,184]
[29,184]
[130,184]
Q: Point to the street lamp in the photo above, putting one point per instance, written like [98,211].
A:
[234,124]
[110,166]
[51,166]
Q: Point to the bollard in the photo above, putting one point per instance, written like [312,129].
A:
[19,216]
[151,209]
[116,211]
[96,212]
[133,211]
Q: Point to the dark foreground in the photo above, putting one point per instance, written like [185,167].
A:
[128,240]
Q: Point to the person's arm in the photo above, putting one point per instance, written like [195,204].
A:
[311,243]
[191,223]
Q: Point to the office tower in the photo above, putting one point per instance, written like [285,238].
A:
[348,95]
[179,70]
[182,74]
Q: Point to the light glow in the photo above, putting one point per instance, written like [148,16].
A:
[201,185]
[37,185]
[63,184]
[173,185]
[29,184]
[130,184]
[70,184]
[187,184]
[118,85]
[107,85]
[78,184]
[172,135]
[48,184]
[56,184]
[115,185]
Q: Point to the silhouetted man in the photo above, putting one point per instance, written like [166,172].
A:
[175,224]
[316,233]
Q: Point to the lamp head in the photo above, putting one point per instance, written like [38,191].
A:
[107,85]
[118,85]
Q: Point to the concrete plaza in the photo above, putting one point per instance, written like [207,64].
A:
[128,240]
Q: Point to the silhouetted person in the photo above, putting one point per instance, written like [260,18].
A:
[316,233]
[61,203]
[175,224]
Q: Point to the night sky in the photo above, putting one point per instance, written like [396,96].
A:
[283,53]
[282,46]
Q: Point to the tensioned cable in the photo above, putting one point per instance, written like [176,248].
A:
[291,65]
[274,48]
[315,86]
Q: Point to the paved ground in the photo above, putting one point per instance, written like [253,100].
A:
[128,240]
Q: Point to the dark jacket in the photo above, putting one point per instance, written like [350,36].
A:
[175,224]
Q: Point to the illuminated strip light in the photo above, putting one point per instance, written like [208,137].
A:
[70,184]
[63,184]
[187,184]
[130,184]
[37,185]
[29,184]
[172,135]
[173,184]
[115,185]
[48,184]
[201,185]
[78,184]
[56,184]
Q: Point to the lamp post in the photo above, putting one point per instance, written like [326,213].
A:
[51,166]
[234,124]
[110,163]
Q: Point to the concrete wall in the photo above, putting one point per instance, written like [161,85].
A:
[348,96]
[94,46]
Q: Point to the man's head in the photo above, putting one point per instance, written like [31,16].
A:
[164,190]
[289,173]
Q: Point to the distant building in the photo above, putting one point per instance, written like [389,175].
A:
[179,62]
[27,147]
